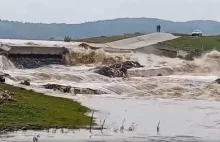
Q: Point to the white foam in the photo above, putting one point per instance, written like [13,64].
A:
[138,99]
[6,64]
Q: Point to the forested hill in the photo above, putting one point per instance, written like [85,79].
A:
[19,30]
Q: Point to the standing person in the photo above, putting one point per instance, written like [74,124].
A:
[159,27]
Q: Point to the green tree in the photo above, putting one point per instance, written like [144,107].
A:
[67,39]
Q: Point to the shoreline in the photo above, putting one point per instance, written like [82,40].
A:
[9,121]
[39,128]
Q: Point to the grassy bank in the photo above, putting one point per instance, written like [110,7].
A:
[191,43]
[38,111]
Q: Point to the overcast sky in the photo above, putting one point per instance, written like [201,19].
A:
[79,11]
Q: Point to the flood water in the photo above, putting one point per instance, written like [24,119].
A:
[185,101]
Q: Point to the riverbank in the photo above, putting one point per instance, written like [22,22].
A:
[35,111]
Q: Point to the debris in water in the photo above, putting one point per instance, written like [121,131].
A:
[2,79]
[103,124]
[26,82]
[35,138]
[122,126]
[122,129]
[76,90]
[217,80]
[90,128]
[54,131]
[158,127]
[115,129]
[132,127]
[117,70]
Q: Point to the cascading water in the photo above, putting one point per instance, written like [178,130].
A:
[5,63]
[80,56]
[143,82]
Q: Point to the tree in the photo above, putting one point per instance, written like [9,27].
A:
[67,39]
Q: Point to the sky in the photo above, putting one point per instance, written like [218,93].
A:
[80,11]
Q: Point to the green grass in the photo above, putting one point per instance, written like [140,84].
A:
[37,110]
[192,43]
[106,39]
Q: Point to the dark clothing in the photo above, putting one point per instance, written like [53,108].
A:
[159,27]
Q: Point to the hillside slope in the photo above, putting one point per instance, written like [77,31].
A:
[120,26]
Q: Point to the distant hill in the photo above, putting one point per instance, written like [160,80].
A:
[19,30]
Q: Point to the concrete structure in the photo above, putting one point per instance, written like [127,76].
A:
[141,41]
[135,43]
[34,56]
[32,49]
[159,49]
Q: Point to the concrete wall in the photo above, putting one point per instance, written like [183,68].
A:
[157,49]
[37,50]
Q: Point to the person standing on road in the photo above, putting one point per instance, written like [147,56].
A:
[159,27]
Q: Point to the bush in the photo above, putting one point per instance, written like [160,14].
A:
[67,39]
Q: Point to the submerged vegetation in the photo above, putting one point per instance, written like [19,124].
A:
[32,110]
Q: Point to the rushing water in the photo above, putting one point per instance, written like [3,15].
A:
[185,99]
